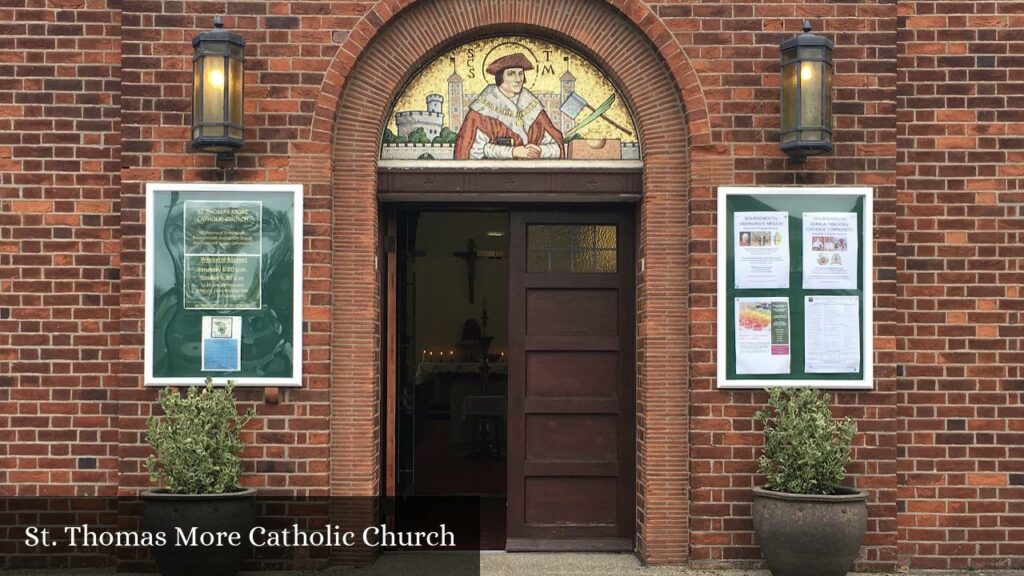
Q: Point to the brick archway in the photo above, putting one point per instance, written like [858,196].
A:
[633,47]
[643,19]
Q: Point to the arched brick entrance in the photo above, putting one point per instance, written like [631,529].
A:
[628,42]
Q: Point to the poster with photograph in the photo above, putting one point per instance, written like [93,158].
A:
[831,334]
[222,343]
[762,335]
[762,249]
[830,250]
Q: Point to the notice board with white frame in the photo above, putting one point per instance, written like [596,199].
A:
[223,284]
[795,272]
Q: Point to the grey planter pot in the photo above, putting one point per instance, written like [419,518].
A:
[810,534]
[230,512]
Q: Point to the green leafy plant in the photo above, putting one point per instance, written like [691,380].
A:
[419,136]
[196,440]
[805,450]
[445,137]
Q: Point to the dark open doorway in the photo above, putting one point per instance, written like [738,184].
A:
[511,373]
[452,342]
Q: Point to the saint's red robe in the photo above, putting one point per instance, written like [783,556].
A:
[495,129]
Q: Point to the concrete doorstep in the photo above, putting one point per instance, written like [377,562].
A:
[519,564]
[568,564]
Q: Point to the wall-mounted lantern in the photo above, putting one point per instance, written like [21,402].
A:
[806,95]
[218,59]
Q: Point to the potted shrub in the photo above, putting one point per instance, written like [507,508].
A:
[196,442]
[807,523]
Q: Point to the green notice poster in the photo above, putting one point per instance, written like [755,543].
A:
[223,284]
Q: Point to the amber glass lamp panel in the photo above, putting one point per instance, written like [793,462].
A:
[790,90]
[235,87]
[213,95]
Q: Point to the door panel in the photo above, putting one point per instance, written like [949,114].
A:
[567,312]
[571,373]
[569,501]
[571,437]
[571,381]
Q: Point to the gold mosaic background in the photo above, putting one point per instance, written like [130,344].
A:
[470,61]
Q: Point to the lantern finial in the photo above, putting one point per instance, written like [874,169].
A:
[807,26]
[218,22]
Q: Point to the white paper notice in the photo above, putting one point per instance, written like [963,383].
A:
[762,249]
[762,335]
[830,250]
[831,334]
[222,344]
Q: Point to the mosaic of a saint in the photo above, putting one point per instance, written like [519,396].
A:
[506,121]
[507,99]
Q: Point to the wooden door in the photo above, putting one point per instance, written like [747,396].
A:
[571,381]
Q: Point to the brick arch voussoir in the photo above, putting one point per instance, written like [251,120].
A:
[318,136]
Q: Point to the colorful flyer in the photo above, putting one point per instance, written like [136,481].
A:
[830,250]
[222,344]
[762,249]
[762,335]
[831,334]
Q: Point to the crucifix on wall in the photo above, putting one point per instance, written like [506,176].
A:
[471,255]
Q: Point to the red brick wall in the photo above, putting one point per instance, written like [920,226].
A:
[961,269]
[95,101]
[289,442]
[734,47]
[59,250]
